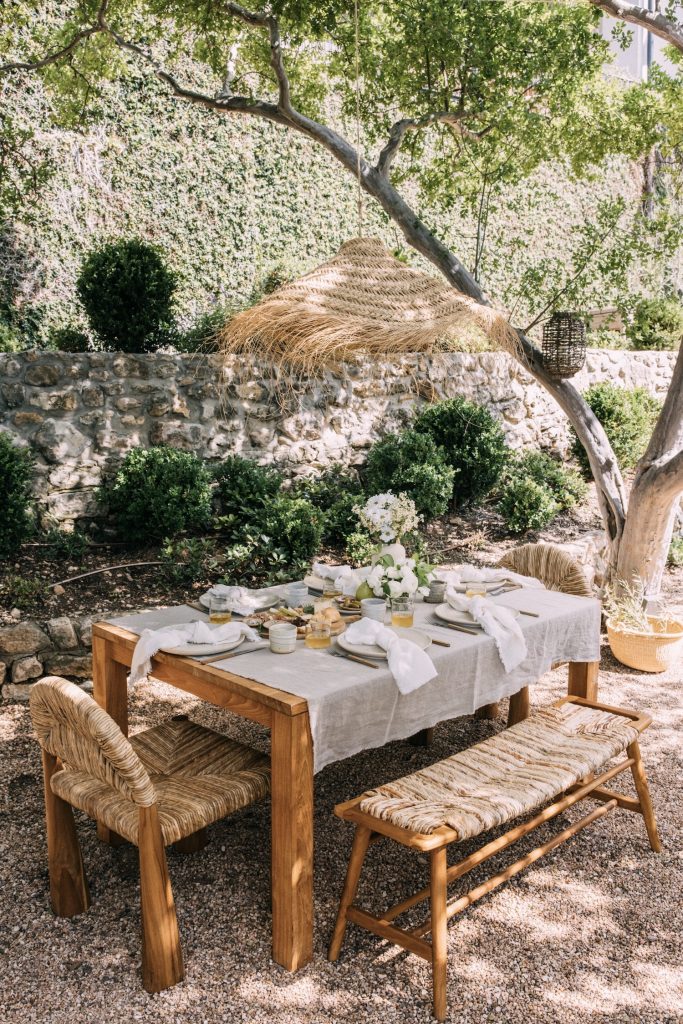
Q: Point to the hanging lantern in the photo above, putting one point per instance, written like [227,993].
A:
[564,345]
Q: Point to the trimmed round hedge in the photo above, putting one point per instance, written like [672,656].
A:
[410,463]
[627,416]
[471,440]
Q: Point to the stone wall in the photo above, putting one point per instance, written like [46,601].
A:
[29,650]
[81,413]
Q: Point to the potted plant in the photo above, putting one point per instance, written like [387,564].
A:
[650,643]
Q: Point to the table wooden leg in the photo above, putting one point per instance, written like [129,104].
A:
[292,839]
[110,690]
[519,706]
[583,679]
[487,712]
[423,738]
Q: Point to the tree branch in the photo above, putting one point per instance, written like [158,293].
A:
[652,21]
[399,129]
[65,51]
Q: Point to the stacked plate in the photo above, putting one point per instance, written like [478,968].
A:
[262,599]
[416,636]
[461,618]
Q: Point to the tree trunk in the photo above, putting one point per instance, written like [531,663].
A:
[647,534]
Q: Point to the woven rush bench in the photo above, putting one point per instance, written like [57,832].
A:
[552,760]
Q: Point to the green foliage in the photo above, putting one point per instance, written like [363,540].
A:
[360,548]
[69,339]
[675,556]
[243,489]
[627,416]
[203,335]
[188,560]
[278,547]
[604,338]
[21,592]
[526,505]
[656,324]
[473,443]
[63,545]
[280,273]
[565,485]
[127,293]
[158,493]
[410,463]
[16,520]
[335,493]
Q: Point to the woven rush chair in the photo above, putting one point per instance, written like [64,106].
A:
[557,571]
[555,758]
[164,785]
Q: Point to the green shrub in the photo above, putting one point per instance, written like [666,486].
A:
[656,324]
[278,547]
[189,560]
[294,525]
[243,488]
[69,546]
[410,463]
[69,339]
[675,556]
[16,520]
[566,485]
[158,493]
[203,335]
[526,505]
[472,441]
[335,493]
[127,293]
[603,337]
[23,592]
[360,548]
[627,416]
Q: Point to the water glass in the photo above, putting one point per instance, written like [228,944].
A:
[402,609]
[219,609]
[282,637]
[330,589]
[319,635]
[474,589]
[373,608]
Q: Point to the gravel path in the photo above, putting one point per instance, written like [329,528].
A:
[593,933]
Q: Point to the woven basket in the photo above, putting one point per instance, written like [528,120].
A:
[649,652]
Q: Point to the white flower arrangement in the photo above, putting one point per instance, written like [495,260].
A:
[399,579]
[388,517]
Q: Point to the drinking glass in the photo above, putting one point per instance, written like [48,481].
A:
[474,589]
[318,636]
[330,589]
[219,609]
[402,609]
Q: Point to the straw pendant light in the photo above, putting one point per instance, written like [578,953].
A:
[361,301]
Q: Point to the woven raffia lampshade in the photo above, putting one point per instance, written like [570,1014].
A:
[361,301]
[564,345]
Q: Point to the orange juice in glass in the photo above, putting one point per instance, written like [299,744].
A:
[402,609]
[219,610]
[319,635]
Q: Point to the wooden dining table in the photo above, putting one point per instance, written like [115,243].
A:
[286,715]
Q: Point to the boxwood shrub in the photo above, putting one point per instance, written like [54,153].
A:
[16,520]
[627,415]
[411,463]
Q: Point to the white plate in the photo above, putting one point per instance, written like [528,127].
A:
[373,651]
[490,585]
[199,650]
[448,614]
[264,601]
[315,583]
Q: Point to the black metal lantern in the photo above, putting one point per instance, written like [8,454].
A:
[564,345]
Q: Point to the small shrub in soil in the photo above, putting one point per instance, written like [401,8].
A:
[360,548]
[158,493]
[526,505]
[243,488]
[566,485]
[69,339]
[277,548]
[16,519]
[411,463]
[473,443]
[335,493]
[627,415]
[127,292]
[656,324]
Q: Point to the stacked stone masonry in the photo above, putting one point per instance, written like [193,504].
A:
[29,650]
[81,413]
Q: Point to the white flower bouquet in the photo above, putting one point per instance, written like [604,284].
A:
[388,517]
[405,578]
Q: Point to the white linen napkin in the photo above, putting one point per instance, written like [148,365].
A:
[329,572]
[410,666]
[497,622]
[152,640]
[240,600]
[346,579]
[484,574]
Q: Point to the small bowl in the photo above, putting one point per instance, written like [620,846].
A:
[374,608]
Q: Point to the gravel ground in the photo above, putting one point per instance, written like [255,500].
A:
[593,933]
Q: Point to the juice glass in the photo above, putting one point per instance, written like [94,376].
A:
[475,590]
[402,609]
[219,610]
[318,636]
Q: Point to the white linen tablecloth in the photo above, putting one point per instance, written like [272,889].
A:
[354,708]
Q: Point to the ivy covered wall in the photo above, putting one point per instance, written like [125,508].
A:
[228,198]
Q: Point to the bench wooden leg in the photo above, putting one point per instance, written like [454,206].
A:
[68,886]
[643,790]
[519,706]
[438,881]
[162,958]
[361,841]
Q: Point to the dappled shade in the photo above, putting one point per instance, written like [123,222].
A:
[361,301]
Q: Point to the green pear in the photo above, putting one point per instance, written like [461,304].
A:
[363,591]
